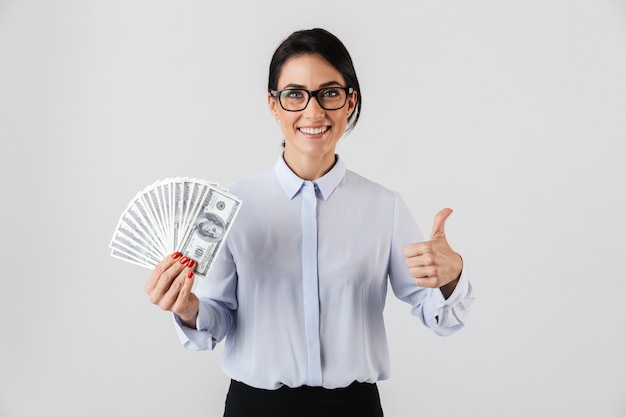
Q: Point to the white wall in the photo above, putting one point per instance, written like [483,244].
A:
[510,112]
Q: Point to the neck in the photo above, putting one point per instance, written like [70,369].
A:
[310,168]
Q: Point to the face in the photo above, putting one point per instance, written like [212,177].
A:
[210,228]
[213,230]
[311,135]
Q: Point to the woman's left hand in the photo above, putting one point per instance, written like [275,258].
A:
[434,264]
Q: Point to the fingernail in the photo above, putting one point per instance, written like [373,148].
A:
[191,263]
[190,274]
[184,260]
[175,255]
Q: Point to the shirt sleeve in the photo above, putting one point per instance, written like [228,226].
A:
[218,304]
[443,316]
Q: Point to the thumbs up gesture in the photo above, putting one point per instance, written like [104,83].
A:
[433,263]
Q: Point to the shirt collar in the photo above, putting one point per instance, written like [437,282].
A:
[291,183]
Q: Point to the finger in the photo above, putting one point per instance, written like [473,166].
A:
[424,272]
[439,224]
[188,284]
[166,279]
[182,301]
[426,282]
[171,294]
[416,249]
[159,269]
[426,258]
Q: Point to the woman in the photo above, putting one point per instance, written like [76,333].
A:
[299,286]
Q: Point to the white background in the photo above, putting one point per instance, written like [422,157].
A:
[510,112]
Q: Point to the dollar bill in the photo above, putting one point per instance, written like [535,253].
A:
[189,215]
[214,215]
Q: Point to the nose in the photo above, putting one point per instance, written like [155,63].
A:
[313,110]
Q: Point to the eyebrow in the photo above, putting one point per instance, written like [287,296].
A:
[324,85]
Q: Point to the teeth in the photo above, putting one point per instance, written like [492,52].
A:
[313,131]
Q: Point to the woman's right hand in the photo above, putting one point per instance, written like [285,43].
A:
[169,287]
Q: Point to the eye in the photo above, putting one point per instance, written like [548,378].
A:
[293,94]
[331,92]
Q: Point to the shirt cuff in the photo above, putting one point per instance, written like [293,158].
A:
[450,314]
[199,338]
[460,291]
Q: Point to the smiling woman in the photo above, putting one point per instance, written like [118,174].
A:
[311,128]
[298,290]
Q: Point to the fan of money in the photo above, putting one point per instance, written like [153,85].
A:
[188,215]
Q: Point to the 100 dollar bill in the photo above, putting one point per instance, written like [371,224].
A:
[213,216]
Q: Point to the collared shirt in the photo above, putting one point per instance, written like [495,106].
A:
[290,319]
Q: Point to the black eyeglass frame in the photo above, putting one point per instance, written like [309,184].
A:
[312,93]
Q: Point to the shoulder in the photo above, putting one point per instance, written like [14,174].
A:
[256,181]
[358,190]
[357,182]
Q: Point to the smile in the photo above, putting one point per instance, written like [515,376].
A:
[314,130]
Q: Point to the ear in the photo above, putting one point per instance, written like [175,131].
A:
[272,104]
[351,103]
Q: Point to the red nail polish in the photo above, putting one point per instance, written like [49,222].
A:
[175,255]
[184,260]
[190,274]
[191,263]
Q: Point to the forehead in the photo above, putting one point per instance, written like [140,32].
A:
[309,71]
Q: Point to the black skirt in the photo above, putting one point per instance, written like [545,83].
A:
[357,399]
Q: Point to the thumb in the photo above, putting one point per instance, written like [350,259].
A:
[187,284]
[439,224]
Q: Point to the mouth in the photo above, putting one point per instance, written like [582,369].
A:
[314,131]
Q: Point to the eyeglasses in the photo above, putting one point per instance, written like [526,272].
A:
[329,98]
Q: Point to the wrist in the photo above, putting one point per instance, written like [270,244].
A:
[460,266]
[189,321]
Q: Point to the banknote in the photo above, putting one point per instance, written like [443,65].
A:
[213,217]
[189,215]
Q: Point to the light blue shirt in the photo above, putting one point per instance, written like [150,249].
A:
[299,287]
